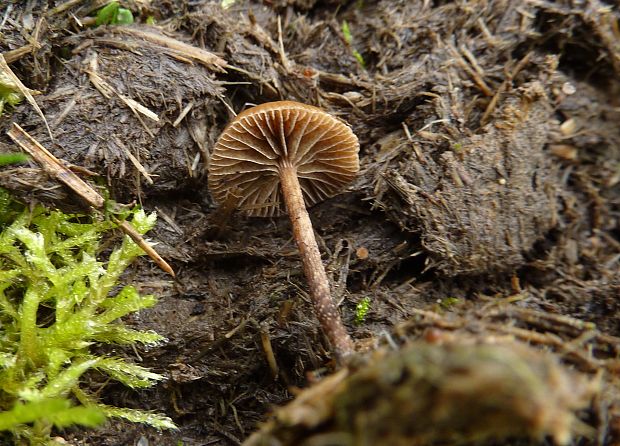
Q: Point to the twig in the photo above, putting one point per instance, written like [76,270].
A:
[221,340]
[56,169]
[268,349]
[552,340]
[274,89]
[478,80]
[53,166]
[148,249]
[170,220]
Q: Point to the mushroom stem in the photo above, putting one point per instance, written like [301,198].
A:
[326,311]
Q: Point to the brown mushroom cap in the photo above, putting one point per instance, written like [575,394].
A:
[262,139]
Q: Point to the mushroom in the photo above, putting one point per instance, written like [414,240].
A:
[288,152]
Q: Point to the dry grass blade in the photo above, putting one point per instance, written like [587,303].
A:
[108,91]
[177,47]
[18,53]
[476,77]
[65,6]
[135,161]
[502,88]
[6,70]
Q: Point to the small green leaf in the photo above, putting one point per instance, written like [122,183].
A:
[359,58]
[348,38]
[124,17]
[347,32]
[128,300]
[68,378]
[143,222]
[107,14]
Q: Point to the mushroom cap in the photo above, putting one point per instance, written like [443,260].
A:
[261,140]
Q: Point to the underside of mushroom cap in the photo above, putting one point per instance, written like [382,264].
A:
[263,139]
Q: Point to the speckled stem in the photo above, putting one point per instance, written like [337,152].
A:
[326,311]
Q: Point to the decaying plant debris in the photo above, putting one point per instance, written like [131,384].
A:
[488,205]
[456,393]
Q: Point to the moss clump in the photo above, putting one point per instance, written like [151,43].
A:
[437,394]
[58,298]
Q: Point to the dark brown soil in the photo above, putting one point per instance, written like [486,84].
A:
[488,200]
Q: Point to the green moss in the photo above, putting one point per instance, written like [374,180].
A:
[348,38]
[58,298]
[361,310]
[12,158]
[447,303]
